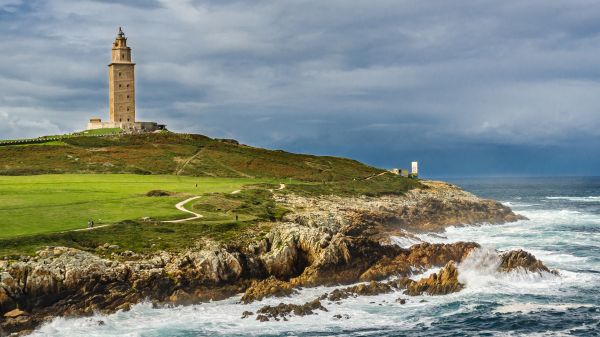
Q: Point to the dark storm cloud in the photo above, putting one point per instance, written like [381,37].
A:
[498,85]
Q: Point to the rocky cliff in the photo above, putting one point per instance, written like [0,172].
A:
[323,241]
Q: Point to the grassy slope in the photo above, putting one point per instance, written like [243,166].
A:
[169,153]
[219,223]
[50,203]
[34,208]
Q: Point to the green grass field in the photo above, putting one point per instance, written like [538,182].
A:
[50,189]
[52,203]
[97,132]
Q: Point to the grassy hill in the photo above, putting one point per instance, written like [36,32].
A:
[49,189]
[176,154]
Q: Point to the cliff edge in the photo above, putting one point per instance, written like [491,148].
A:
[323,240]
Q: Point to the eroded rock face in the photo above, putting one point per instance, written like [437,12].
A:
[282,311]
[418,258]
[442,283]
[213,264]
[326,241]
[270,287]
[363,289]
[420,210]
[515,259]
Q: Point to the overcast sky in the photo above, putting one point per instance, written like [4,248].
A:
[465,87]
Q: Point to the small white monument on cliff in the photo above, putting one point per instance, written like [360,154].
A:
[414,168]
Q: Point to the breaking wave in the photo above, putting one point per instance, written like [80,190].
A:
[577,199]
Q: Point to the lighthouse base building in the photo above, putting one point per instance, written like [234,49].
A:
[121,92]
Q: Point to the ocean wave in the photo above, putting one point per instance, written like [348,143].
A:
[577,199]
[529,307]
[479,272]
[405,241]
[378,315]
[519,204]
[367,314]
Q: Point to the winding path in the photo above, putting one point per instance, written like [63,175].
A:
[376,175]
[179,170]
[180,207]
[87,228]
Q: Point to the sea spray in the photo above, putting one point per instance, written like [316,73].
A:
[479,268]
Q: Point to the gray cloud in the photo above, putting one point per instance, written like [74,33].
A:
[382,81]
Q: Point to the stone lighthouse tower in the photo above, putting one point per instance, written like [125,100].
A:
[121,93]
[121,82]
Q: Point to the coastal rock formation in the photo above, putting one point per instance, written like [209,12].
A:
[363,289]
[442,283]
[270,287]
[282,311]
[421,210]
[418,258]
[324,241]
[516,259]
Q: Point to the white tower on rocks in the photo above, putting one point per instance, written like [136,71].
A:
[414,168]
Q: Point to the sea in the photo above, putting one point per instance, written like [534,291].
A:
[563,231]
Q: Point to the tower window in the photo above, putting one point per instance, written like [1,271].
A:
[127,108]
[119,119]
[122,56]
[128,118]
[119,85]
[119,74]
[128,86]
[127,96]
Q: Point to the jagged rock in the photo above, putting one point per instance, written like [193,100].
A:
[6,302]
[211,265]
[292,247]
[267,288]
[521,259]
[418,257]
[282,310]
[247,314]
[442,283]
[16,313]
[343,261]
[181,297]
[363,289]
[432,255]
[262,318]
[430,209]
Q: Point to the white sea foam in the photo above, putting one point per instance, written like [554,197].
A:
[222,318]
[518,204]
[577,199]
[406,240]
[536,307]
[479,272]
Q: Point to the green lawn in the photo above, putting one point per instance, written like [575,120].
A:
[97,132]
[52,203]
